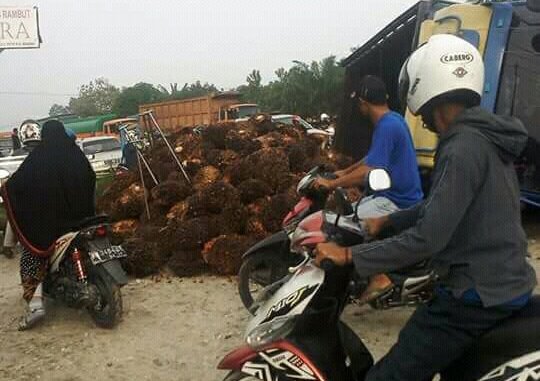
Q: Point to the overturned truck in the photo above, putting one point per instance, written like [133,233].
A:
[508,36]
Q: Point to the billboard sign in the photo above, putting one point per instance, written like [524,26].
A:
[19,27]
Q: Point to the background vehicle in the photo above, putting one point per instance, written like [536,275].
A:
[295,120]
[87,126]
[103,152]
[297,333]
[210,109]
[508,36]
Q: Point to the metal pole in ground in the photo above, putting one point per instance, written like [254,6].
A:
[144,187]
[156,125]
[139,154]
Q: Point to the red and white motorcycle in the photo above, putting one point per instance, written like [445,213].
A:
[297,334]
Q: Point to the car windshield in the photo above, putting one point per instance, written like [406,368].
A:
[290,119]
[96,146]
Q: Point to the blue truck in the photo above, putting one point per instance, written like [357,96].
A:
[507,33]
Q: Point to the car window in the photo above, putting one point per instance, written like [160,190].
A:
[284,120]
[96,146]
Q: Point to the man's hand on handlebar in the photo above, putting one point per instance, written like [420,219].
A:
[321,183]
[341,256]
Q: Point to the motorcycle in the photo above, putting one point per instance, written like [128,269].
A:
[266,265]
[297,333]
[84,269]
[269,260]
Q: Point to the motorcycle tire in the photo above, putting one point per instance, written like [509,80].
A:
[108,313]
[262,268]
[239,376]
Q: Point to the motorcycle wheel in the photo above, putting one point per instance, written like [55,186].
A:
[258,271]
[108,312]
[239,376]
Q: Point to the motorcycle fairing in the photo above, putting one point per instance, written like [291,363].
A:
[302,206]
[281,361]
[277,239]
[524,368]
[292,298]
[61,246]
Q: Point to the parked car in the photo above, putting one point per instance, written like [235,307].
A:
[103,152]
[295,120]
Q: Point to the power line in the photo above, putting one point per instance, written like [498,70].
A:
[38,93]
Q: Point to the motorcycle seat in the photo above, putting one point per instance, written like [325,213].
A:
[514,337]
[91,221]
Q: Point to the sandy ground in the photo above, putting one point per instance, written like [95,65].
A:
[173,329]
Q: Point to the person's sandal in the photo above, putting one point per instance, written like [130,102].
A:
[374,290]
[31,318]
[35,312]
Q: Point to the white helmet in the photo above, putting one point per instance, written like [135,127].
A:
[29,132]
[325,117]
[446,64]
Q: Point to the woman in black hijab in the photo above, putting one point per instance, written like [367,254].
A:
[51,191]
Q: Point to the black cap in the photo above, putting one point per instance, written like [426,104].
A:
[371,89]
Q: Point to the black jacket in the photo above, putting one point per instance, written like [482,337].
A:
[53,188]
[470,224]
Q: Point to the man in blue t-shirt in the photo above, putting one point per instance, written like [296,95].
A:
[392,149]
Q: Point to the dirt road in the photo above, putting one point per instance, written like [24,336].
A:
[173,329]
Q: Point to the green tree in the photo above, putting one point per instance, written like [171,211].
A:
[57,109]
[304,89]
[196,89]
[95,98]
[129,99]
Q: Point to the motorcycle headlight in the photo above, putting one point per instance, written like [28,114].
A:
[271,331]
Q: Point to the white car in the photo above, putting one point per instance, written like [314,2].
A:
[295,120]
[103,152]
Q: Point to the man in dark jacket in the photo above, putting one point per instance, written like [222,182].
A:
[470,224]
[52,190]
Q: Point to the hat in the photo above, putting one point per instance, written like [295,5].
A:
[372,90]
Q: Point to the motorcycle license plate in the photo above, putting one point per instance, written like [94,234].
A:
[108,254]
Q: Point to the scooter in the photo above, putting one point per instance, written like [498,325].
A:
[269,260]
[84,269]
[266,265]
[297,333]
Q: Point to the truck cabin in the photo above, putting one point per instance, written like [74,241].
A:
[506,33]
[111,127]
[238,111]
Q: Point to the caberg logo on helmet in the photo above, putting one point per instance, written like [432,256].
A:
[460,58]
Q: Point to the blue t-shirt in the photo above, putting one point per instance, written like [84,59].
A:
[392,149]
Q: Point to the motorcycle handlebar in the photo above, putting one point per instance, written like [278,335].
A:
[327,264]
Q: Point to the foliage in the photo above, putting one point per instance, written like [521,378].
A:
[57,109]
[193,90]
[128,101]
[303,89]
[95,98]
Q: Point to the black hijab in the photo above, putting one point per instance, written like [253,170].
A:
[53,188]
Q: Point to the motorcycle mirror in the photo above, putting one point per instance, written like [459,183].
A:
[378,180]
[533,5]
[4,174]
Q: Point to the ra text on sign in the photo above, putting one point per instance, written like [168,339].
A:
[19,28]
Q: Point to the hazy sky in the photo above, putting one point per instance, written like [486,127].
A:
[164,41]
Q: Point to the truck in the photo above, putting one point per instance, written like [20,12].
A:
[85,127]
[191,112]
[507,34]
